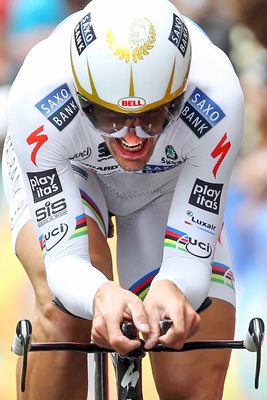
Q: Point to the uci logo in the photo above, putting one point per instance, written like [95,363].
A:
[131,103]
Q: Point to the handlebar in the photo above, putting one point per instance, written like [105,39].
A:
[22,344]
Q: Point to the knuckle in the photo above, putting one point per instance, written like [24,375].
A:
[115,342]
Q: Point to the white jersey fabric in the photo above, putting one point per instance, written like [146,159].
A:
[57,169]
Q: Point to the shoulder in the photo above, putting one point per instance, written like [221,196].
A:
[211,69]
[43,88]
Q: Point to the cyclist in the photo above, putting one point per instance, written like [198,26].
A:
[126,110]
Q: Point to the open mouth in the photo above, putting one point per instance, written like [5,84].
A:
[130,147]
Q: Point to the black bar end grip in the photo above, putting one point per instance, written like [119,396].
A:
[128,329]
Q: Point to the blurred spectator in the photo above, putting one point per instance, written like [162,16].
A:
[246,213]
[250,38]
[29,21]
[246,224]
[213,16]
[253,14]
[75,5]
[249,54]
[3,41]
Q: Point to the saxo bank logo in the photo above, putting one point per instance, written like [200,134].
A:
[201,113]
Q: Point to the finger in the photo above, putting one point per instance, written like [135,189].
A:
[139,317]
[153,337]
[118,341]
[195,325]
[99,334]
[175,336]
[181,330]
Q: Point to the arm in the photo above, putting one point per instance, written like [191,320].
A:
[196,214]
[54,200]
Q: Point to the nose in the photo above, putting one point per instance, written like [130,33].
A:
[130,121]
[131,135]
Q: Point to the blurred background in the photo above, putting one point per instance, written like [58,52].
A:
[238,27]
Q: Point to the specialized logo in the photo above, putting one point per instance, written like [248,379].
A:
[51,211]
[131,103]
[139,40]
[199,223]
[59,107]
[200,113]
[130,378]
[50,239]
[206,195]
[84,34]
[38,138]
[179,35]
[44,184]
[184,242]
[220,152]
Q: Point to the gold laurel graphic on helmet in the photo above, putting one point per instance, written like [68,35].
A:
[139,51]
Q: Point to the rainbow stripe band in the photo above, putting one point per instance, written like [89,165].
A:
[222,274]
[42,244]
[88,202]
[175,239]
[81,227]
[141,287]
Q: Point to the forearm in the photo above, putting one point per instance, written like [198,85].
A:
[75,282]
[192,277]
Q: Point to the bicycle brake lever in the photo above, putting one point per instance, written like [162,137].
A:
[253,343]
[21,345]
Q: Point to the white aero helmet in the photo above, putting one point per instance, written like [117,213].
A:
[130,56]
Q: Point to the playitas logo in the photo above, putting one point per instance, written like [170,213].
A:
[206,195]
[44,184]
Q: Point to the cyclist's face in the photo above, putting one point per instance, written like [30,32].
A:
[131,151]
[109,121]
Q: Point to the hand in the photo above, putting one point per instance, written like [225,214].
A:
[112,305]
[165,301]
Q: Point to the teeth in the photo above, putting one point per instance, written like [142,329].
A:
[131,147]
[127,144]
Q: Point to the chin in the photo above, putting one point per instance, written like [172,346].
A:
[131,166]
